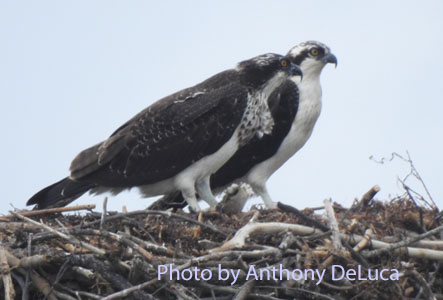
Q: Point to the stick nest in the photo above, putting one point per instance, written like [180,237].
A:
[85,256]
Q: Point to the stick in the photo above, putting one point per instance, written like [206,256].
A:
[6,275]
[364,242]
[69,238]
[25,289]
[14,226]
[166,214]
[304,217]
[405,243]
[369,195]
[41,284]
[49,211]
[245,290]
[427,290]
[128,291]
[336,241]
[238,241]
[117,280]
[102,220]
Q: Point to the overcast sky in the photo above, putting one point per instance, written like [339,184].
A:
[71,72]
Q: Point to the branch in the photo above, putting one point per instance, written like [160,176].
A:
[369,195]
[49,211]
[238,241]
[330,214]
[407,242]
[8,286]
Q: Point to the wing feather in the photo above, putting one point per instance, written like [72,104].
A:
[164,138]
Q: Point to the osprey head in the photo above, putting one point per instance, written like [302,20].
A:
[312,56]
[257,71]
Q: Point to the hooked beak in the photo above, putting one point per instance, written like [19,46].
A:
[330,59]
[296,71]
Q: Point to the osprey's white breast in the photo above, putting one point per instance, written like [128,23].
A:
[307,114]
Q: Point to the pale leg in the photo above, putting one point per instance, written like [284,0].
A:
[263,193]
[189,195]
[204,192]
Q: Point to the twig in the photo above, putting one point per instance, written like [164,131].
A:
[411,251]
[304,217]
[32,262]
[43,286]
[238,241]
[106,272]
[102,220]
[365,198]
[14,226]
[25,295]
[69,238]
[132,289]
[166,214]
[86,273]
[438,245]
[369,195]
[49,211]
[414,172]
[364,242]
[127,231]
[8,286]
[427,291]
[63,296]
[117,237]
[128,291]
[339,288]
[406,243]
[312,294]
[336,241]
[180,291]
[244,291]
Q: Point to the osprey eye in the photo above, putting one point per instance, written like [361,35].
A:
[314,52]
[284,63]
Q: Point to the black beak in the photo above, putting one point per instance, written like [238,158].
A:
[296,71]
[329,59]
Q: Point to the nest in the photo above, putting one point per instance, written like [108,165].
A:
[373,250]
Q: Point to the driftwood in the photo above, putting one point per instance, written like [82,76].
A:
[150,254]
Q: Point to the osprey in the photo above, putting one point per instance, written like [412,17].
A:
[178,142]
[295,107]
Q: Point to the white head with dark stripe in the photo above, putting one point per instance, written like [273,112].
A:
[311,56]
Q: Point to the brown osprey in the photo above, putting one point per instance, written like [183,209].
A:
[295,107]
[178,142]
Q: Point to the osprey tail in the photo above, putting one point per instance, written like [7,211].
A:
[59,194]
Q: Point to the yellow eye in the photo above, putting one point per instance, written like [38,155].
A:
[314,52]
[284,63]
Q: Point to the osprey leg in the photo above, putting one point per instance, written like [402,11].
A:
[204,192]
[191,199]
[263,193]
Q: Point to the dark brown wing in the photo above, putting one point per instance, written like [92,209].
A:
[283,104]
[164,139]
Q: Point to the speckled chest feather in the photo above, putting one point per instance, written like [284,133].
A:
[257,119]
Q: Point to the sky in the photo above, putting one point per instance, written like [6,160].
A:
[71,72]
